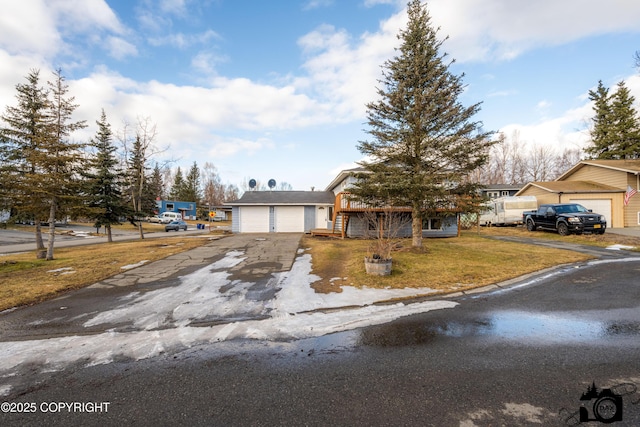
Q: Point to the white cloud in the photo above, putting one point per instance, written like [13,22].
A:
[28,28]
[182,41]
[509,28]
[119,48]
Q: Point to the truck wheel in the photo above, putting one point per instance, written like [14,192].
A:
[530,225]
[563,230]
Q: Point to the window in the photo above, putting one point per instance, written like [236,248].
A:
[170,207]
[432,224]
[493,194]
[505,193]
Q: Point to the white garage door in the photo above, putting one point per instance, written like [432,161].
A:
[254,219]
[289,219]
[601,206]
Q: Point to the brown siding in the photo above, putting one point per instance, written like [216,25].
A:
[600,175]
[543,196]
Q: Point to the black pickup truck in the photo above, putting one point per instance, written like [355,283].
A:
[565,218]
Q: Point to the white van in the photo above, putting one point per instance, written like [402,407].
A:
[507,210]
[167,217]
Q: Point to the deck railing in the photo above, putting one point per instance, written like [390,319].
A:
[345,203]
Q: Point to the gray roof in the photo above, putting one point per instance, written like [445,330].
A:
[297,198]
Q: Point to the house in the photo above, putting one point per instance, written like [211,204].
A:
[604,186]
[494,191]
[186,209]
[349,217]
[281,211]
[329,212]
[220,213]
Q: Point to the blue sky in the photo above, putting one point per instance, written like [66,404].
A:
[277,89]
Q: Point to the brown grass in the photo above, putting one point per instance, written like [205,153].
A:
[25,280]
[446,265]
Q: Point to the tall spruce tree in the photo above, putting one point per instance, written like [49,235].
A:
[424,142]
[615,130]
[38,155]
[103,183]
[601,131]
[156,184]
[63,156]
[192,193]
[178,189]
[24,137]
[626,125]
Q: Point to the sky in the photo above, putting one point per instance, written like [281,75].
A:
[278,90]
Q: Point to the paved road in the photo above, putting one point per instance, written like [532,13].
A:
[14,241]
[520,354]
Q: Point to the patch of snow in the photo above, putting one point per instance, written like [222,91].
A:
[63,270]
[130,266]
[618,247]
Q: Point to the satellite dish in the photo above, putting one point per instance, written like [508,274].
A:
[252,183]
[271,183]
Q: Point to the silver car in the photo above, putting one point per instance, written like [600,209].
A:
[176,225]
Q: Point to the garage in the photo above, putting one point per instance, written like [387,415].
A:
[601,206]
[289,219]
[254,219]
[279,211]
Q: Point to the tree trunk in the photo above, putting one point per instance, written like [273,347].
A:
[41,252]
[108,230]
[416,228]
[141,231]
[52,229]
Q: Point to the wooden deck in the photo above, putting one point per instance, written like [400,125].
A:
[324,232]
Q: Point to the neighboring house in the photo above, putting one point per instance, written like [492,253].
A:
[494,191]
[599,185]
[186,209]
[221,213]
[281,211]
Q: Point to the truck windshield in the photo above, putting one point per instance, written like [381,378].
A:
[571,208]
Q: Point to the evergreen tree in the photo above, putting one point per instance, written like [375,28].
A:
[156,184]
[192,189]
[178,189]
[615,133]
[103,183]
[424,143]
[24,138]
[625,127]
[601,133]
[39,160]
[61,165]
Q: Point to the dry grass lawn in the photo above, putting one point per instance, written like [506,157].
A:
[446,265]
[25,280]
